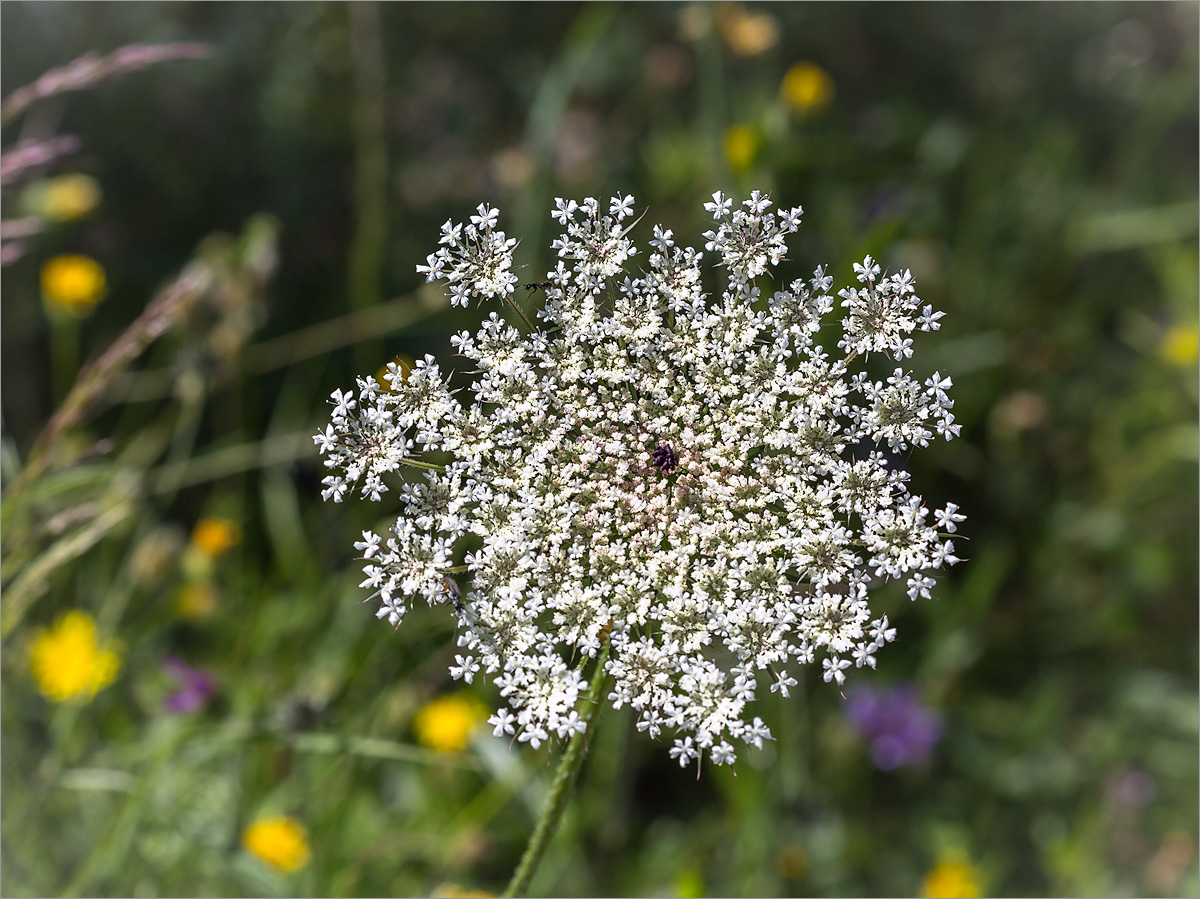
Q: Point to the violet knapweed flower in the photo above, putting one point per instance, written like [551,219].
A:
[757,554]
[196,687]
[901,728]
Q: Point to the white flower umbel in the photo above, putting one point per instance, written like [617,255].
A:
[699,482]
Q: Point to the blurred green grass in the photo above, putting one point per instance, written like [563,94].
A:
[1035,166]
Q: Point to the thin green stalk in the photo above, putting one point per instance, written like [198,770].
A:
[34,579]
[64,355]
[160,314]
[560,790]
[712,92]
[370,169]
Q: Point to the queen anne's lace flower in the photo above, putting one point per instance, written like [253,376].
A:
[699,484]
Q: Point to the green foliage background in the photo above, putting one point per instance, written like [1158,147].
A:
[1035,166]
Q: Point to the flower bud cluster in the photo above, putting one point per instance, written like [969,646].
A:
[697,483]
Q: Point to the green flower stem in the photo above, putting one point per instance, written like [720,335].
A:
[517,309]
[560,791]
[369,243]
[64,354]
[426,465]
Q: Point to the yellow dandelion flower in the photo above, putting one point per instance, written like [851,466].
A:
[73,284]
[807,87]
[197,600]
[741,146]
[68,198]
[280,841]
[214,537]
[952,877]
[1181,345]
[746,33]
[69,662]
[402,361]
[445,723]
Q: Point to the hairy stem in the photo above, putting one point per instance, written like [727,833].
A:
[560,790]
[517,309]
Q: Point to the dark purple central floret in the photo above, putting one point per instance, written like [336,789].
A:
[665,458]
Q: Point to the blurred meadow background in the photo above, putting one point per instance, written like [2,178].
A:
[213,222]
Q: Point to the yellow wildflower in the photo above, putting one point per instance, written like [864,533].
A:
[68,197]
[156,555]
[445,723]
[791,862]
[73,284]
[807,87]
[454,891]
[197,600]
[280,841]
[952,877]
[695,21]
[741,146]
[746,33]
[404,362]
[68,662]
[1181,344]
[214,537]
[689,885]
[513,168]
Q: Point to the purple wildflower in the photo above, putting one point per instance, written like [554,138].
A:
[901,728]
[1130,787]
[195,687]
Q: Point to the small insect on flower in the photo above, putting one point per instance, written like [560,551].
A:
[538,285]
[450,586]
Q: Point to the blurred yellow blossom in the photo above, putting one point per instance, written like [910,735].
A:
[73,284]
[1181,344]
[454,891]
[1165,868]
[68,197]
[155,556]
[197,600]
[445,723]
[215,536]
[69,662]
[741,146]
[280,841]
[953,876]
[807,87]
[689,884]
[791,862]
[513,168]
[402,361]
[746,33]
